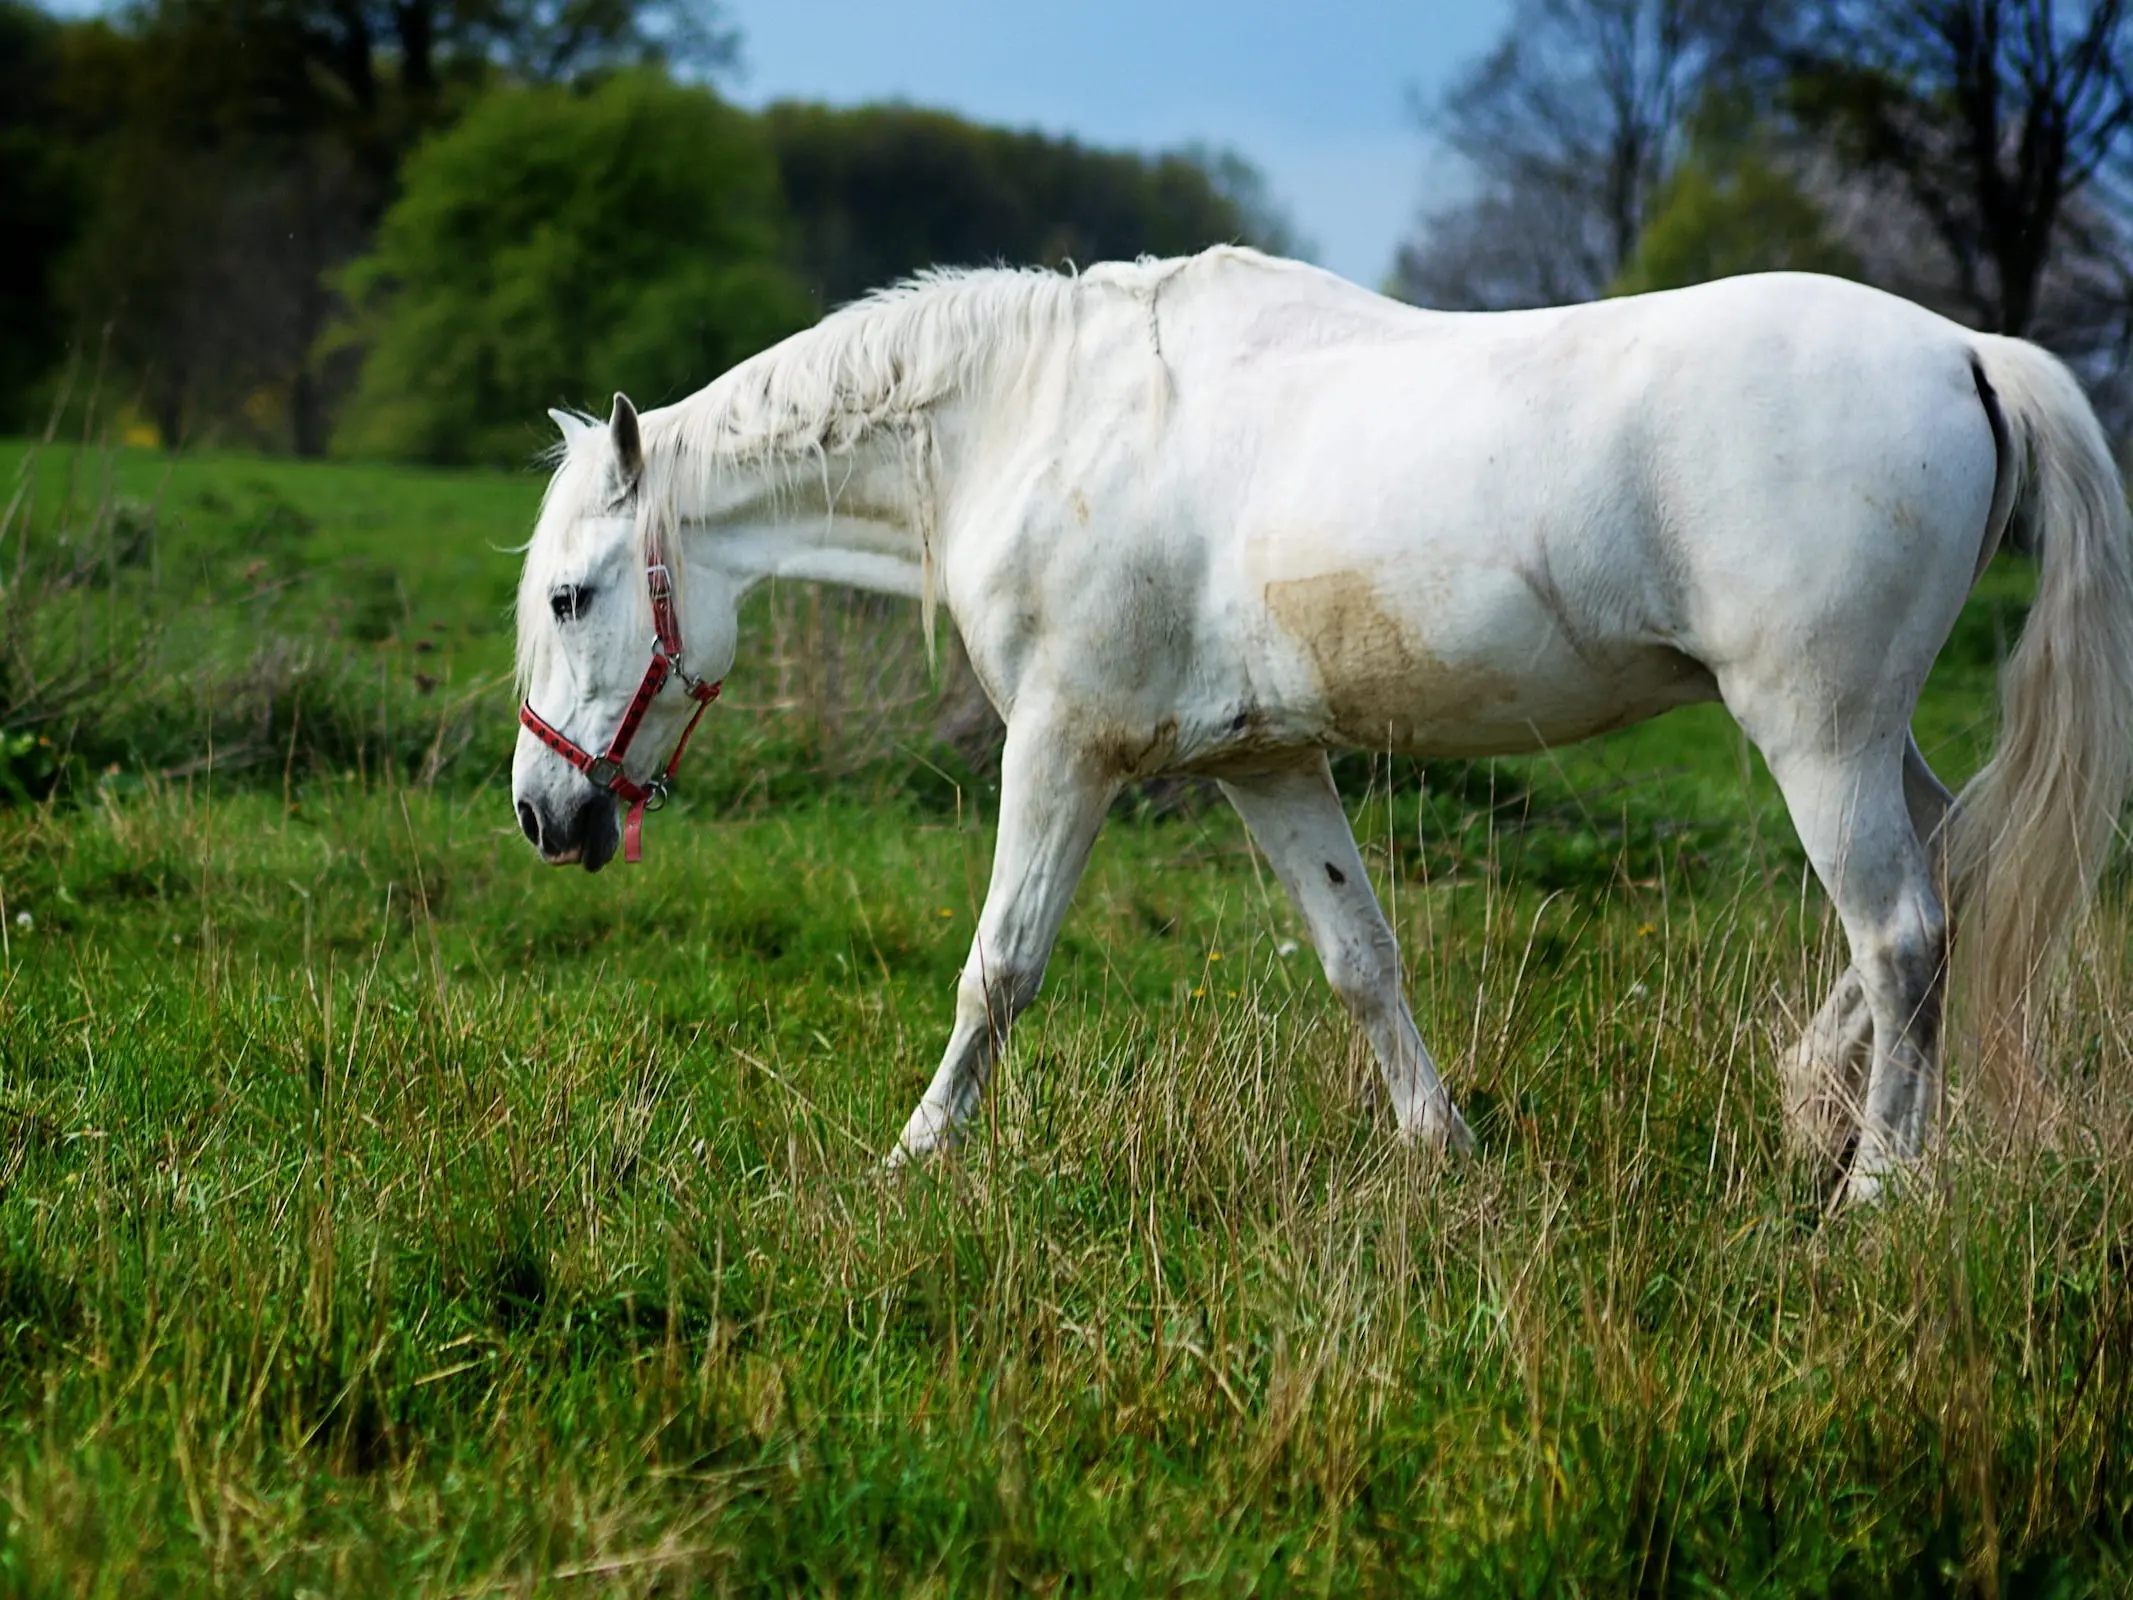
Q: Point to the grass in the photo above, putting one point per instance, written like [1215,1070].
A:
[382,1213]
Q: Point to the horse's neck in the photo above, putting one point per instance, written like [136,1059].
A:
[851,523]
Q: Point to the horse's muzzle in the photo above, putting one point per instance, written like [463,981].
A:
[586,835]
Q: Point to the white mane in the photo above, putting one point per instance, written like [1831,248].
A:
[877,365]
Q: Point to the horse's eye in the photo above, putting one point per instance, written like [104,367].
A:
[569,602]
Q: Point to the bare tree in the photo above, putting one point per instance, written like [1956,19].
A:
[1572,125]
[1992,117]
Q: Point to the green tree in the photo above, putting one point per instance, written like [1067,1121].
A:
[42,199]
[556,245]
[880,191]
[232,156]
[1732,206]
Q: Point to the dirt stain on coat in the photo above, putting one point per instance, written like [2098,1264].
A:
[1380,686]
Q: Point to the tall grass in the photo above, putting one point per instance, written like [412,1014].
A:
[343,1250]
[380,1213]
[161,618]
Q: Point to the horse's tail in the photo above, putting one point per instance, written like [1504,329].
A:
[2031,830]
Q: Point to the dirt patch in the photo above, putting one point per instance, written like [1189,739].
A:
[1380,686]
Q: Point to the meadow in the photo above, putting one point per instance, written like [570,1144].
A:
[384,1213]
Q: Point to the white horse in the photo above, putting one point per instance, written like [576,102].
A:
[1218,515]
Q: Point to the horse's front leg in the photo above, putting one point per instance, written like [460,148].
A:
[1052,801]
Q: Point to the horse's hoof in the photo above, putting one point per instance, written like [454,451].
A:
[1445,1133]
[907,1156]
[1897,1179]
[1862,1190]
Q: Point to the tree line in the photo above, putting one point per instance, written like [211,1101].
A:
[402,228]
[1973,155]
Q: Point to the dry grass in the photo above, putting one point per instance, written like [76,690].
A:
[347,1251]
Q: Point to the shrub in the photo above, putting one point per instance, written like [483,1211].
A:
[554,246]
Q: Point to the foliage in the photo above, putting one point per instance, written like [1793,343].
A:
[1573,125]
[1731,207]
[222,158]
[41,198]
[235,159]
[555,245]
[880,191]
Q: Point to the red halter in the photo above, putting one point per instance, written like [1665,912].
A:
[606,771]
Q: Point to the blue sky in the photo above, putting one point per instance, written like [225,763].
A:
[1312,91]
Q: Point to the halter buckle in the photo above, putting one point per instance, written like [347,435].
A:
[603,771]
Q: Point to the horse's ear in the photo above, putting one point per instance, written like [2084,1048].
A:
[629,444]
[570,422]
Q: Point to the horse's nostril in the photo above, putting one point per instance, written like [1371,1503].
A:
[529,822]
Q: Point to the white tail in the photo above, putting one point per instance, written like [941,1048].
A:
[2032,829]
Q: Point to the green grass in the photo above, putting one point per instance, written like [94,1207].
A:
[381,1213]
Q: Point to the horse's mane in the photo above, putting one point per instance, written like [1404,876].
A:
[874,363]
[878,365]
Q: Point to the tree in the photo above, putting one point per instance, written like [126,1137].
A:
[880,191]
[1991,116]
[396,64]
[1734,204]
[1572,125]
[557,245]
[241,152]
[228,179]
[41,198]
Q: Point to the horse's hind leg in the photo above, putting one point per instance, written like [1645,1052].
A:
[1852,817]
[1296,816]
[1823,1080]
[1051,806]
[1825,1077]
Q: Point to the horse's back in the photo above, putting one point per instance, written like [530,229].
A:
[1461,533]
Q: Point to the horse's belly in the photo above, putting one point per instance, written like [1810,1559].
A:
[1476,669]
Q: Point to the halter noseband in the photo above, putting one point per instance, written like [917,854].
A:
[606,770]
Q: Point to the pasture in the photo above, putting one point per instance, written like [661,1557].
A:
[381,1212]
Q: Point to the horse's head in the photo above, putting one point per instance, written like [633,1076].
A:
[587,639]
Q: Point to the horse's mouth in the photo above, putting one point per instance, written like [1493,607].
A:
[591,860]
[602,838]
[592,836]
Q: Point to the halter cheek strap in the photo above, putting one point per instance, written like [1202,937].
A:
[605,770]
